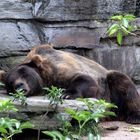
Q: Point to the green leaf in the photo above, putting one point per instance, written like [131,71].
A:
[17,132]
[7,105]
[125,30]
[70,111]
[129,17]
[54,134]
[26,125]
[49,133]
[119,37]
[117,17]
[113,31]
[58,135]
[132,28]
[113,27]
[17,124]
[75,137]
[109,113]
[3,130]
[125,22]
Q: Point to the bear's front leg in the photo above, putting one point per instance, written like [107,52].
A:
[82,86]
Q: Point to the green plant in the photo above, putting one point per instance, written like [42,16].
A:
[123,26]
[7,105]
[8,126]
[97,109]
[65,126]
[87,121]
[19,96]
[54,94]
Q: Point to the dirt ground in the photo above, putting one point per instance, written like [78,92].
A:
[123,131]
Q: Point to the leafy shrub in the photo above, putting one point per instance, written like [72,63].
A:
[54,94]
[19,96]
[87,120]
[8,126]
[123,26]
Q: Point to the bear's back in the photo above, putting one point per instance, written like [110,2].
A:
[68,64]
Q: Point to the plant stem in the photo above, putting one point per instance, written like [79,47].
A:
[10,137]
[79,133]
[81,127]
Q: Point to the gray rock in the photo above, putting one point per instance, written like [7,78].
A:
[72,37]
[122,59]
[15,9]
[17,38]
[72,10]
[36,109]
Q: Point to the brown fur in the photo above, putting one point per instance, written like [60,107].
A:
[80,77]
[2,75]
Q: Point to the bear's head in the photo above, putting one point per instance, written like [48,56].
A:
[24,77]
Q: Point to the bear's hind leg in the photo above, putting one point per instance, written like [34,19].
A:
[124,94]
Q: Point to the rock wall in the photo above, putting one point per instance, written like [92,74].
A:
[73,25]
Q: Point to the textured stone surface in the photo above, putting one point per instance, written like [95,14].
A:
[17,37]
[15,9]
[68,10]
[72,37]
[122,59]
[36,109]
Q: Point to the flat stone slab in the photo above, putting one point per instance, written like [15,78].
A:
[39,112]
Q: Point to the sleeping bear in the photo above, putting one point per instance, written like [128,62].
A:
[79,76]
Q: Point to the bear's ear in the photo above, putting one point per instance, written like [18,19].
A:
[35,61]
[2,75]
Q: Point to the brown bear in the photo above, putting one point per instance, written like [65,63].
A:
[81,77]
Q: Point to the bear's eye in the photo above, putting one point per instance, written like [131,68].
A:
[19,86]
